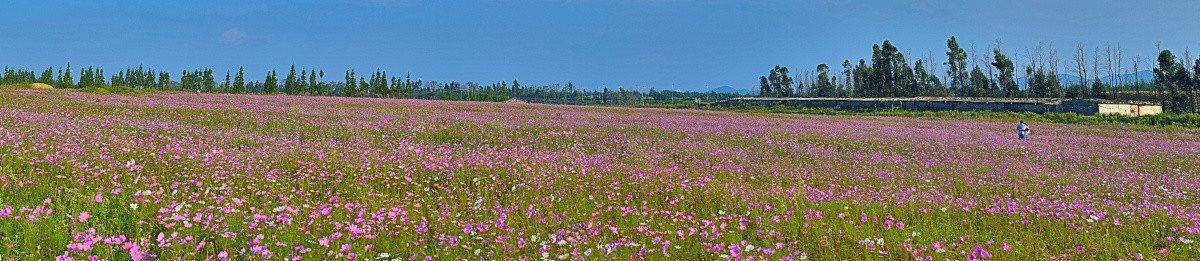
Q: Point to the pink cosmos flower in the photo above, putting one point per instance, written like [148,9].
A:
[64,257]
[136,254]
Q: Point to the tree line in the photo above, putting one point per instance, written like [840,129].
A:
[892,73]
[312,82]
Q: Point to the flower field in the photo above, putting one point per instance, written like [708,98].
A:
[232,177]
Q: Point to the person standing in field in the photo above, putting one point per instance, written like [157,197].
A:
[1023,131]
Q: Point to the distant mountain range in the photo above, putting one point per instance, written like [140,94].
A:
[731,90]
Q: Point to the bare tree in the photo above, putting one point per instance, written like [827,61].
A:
[1095,63]
[812,81]
[932,65]
[974,58]
[1157,96]
[1121,69]
[1033,63]
[1187,57]
[1109,57]
[987,61]
[1137,76]
[1187,64]
[1017,69]
[800,84]
[1053,62]
[1081,65]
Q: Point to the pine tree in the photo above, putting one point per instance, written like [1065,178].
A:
[289,83]
[363,87]
[47,76]
[239,82]
[397,88]
[313,89]
[210,83]
[226,85]
[349,88]
[271,84]
[379,86]
[516,92]
[59,79]
[164,80]
[99,77]
[68,79]
[302,82]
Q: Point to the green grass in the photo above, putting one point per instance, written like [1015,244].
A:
[115,89]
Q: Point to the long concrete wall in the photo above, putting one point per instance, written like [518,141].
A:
[907,104]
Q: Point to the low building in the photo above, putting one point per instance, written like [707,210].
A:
[1099,106]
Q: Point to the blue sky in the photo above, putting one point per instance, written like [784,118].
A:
[661,44]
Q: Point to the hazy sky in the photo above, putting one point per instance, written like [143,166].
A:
[662,44]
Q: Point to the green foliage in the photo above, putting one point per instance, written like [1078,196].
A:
[239,82]
[113,89]
[1177,88]
[1099,89]
[824,85]
[210,83]
[290,83]
[363,87]
[350,87]
[1007,85]
[957,61]
[314,87]
[68,81]
[271,84]
[226,86]
[378,86]
[164,81]
[980,85]
[1042,83]
[777,83]
[888,74]
[1190,120]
